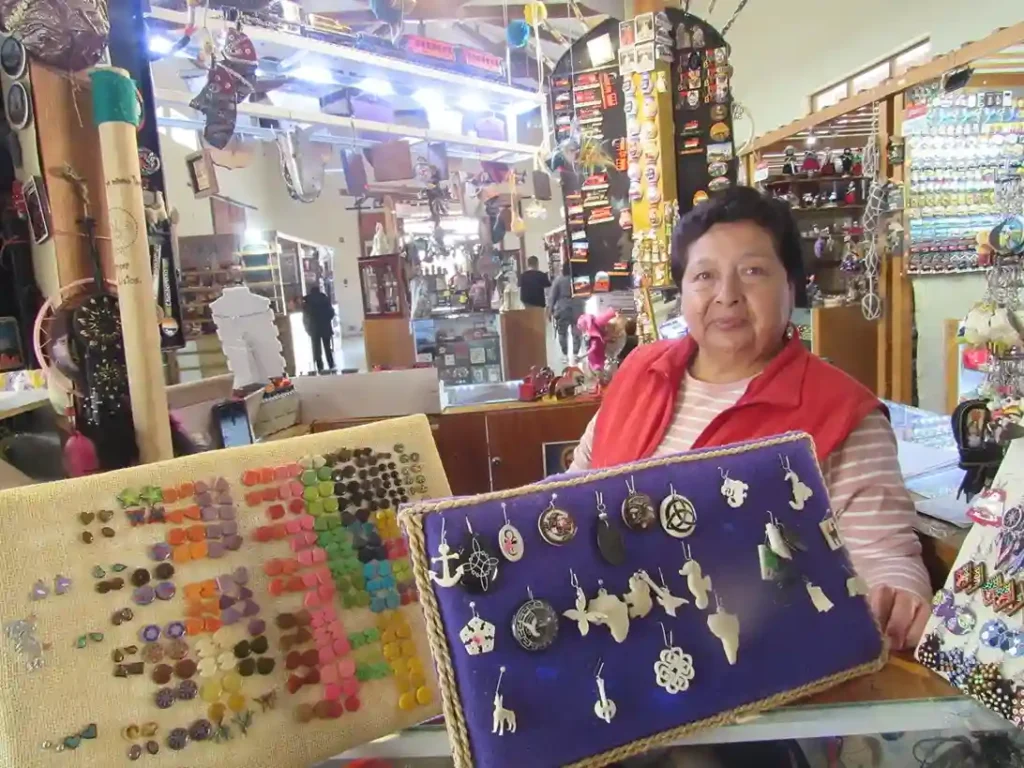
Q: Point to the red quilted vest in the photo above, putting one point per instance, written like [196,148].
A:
[797,391]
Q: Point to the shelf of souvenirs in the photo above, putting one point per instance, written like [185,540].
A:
[457,68]
[785,181]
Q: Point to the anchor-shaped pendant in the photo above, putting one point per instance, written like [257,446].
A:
[445,556]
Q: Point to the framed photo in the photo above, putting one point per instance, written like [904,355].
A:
[645,61]
[627,61]
[645,28]
[627,33]
[202,174]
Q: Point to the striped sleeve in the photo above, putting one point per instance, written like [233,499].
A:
[581,456]
[874,510]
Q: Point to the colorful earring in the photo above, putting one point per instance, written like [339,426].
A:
[673,670]
[604,707]
[639,596]
[698,584]
[665,599]
[726,627]
[818,597]
[830,530]
[535,624]
[735,491]
[510,540]
[678,516]
[580,614]
[478,635]
[556,526]
[481,565]
[638,509]
[609,611]
[444,557]
[609,540]
[801,491]
[502,719]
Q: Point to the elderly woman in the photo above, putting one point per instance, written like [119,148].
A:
[743,373]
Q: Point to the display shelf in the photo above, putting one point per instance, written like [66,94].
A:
[782,182]
[829,209]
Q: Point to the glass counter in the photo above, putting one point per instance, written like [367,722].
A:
[464,347]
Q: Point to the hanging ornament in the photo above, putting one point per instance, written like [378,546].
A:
[856,586]
[535,624]
[801,491]
[481,565]
[501,719]
[517,33]
[673,670]
[69,35]
[698,584]
[510,540]
[818,597]
[666,599]
[535,13]
[478,635]
[734,491]
[609,540]
[556,526]
[830,530]
[776,541]
[445,556]
[604,707]
[609,611]
[580,614]
[678,516]
[726,627]
[639,596]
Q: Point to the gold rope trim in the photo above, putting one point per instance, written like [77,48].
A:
[411,519]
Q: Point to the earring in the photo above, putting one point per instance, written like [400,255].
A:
[726,627]
[639,597]
[830,530]
[556,526]
[673,670]
[535,624]
[678,516]
[735,491]
[502,719]
[698,584]
[776,541]
[478,635]
[818,597]
[801,491]
[638,509]
[510,540]
[609,540]
[609,611]
[604,707]
[665,599]
[580,614]
[444,557]
[481,565]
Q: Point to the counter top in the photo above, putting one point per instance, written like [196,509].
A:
[15,403]
[519,405]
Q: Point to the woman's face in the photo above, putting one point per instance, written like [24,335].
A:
[736,297]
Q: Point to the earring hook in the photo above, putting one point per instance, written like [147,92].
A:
[666,635]
[504,512]
[469,526]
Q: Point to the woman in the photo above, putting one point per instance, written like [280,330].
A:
[741,373]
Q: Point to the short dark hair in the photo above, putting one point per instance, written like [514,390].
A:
[743,204]
[533,261]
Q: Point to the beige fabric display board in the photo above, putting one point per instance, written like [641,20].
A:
[60,694]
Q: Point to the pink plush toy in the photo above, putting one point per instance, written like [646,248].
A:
[605,335]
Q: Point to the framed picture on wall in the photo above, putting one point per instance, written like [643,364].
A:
[202,174]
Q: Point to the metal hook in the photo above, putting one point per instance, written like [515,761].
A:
[686,550]
[529,591]
[662,575]
[573,579]
[501,674]
[469,526]
[666,635]
[600,668]
[724,473]
[504,512]
[472,607]
[443,540]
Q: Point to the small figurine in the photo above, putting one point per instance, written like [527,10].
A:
[381,244]
[789,163]
[828,166]
[850,198]
[810,165]
[808,200]
[858,165]
[847,160]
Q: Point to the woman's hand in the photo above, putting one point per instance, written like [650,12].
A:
[901,615]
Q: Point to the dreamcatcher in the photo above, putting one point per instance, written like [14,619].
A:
[871,303]
[67,34]
[230,81]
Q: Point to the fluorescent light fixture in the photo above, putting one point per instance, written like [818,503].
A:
[445,120]
[600,50]
[811,140]
[472,102]
[253,236]
[160,45]
[429,98]
[521,107]
[314,74]
[375,86]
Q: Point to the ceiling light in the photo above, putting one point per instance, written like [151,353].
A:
[811,140]
[375,86]
[472,102]
[521,107]
[428,97]
[314,74]
[160,45]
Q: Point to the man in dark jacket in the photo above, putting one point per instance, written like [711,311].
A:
[317,314]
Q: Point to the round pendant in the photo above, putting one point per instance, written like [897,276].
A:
[1013,519]
[511,543]
[481,565]
[556,526]
[535,625]
[638,511]
[610,542]
[678,516]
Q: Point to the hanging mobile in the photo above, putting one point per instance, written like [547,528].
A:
[665,599]
[535,624]
[726,627]
[580,614]
[444,557]
[556,526]
[801,491]
[818,597]
[735,491]
[673,670]
[604,707]
[510,540]
[610,611]
[830,530]
[501,719]
[678,516]
[698,584]
[609,540]
[639,596]
[638,511]
[478,635]
[481,565]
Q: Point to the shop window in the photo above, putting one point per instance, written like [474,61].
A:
[869,78]
[187,137]
[912,57]
[877,73]
[830,96]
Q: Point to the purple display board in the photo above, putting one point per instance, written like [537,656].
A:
[787,648]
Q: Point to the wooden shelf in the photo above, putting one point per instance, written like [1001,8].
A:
[832,209]
[787,180]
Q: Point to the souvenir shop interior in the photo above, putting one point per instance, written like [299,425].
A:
[330,291]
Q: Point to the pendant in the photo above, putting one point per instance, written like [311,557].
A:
[481,565]
[510,540]
[856,586]
[665,599]
[776,541]
[445,556]
[639,597]
[535,625]
[830,530]
[478,635]
[609,611]
[698,584]
[678,516]
[604,707]
[556,526]
[609,541]
[673,670]
[801,491]
[580,614]
[638,509]
[818,598]
[501,719]
[726,627]
[734,491]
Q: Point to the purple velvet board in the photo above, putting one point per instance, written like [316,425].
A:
[785,644]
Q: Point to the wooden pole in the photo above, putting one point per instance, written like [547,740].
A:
[116,112]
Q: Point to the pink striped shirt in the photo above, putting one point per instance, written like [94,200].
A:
[873,508]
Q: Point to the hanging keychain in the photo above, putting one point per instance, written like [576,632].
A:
[818,597]
[666,599]
[638,511]
[535,624]
[444,557]
[698,584]
[510,540]
[830,530]
[481,566]
[776,541]
[855,585]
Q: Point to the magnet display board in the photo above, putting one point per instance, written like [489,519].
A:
[255,534]
[548,702]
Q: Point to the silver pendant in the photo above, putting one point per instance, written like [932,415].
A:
[535,625]
[734,491]
[501,719]
[481,565]
[678,516]
[698,584]
[673,670]
[610,611]
[510,540]
[666,599]
[639,596]
[801,491]
[776,541]
[604,707]
[445,556]
[638,511]
[556,526]
[477,635]
[609,540]
[580,614]
[726,627]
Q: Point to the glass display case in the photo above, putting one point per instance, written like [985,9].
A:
[465,347]
[382,284]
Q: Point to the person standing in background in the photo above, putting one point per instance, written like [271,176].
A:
[565,311]
[532,284]
[317,316]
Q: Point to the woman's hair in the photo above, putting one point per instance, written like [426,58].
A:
[743,204]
